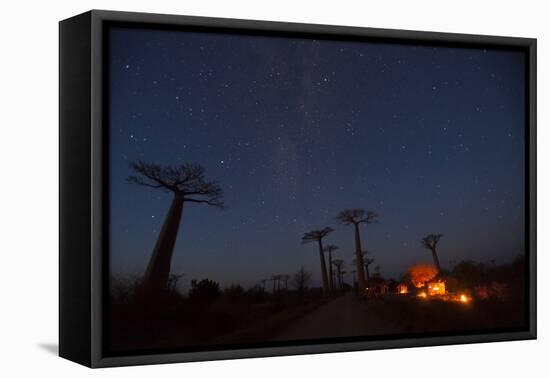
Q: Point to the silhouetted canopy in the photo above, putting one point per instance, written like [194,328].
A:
[184,179]
[357,216]
[316,235]
[330,248]
[430,241]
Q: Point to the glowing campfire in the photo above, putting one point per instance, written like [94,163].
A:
[423,277]
[421,274]
[436,288]
[402,289]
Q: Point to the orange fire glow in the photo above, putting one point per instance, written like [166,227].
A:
[436,288]
[402,289]
[423,294]
[422,273]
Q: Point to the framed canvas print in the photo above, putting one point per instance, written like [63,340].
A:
[234,188]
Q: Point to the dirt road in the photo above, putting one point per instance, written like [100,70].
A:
[343,317]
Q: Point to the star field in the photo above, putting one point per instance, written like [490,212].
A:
[296,130]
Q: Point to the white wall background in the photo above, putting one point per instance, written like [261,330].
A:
[28,186]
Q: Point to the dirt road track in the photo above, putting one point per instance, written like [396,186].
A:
[343,317]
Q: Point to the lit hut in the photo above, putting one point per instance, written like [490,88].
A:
[402,288]
[436,288]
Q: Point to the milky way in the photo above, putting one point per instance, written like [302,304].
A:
[295,130]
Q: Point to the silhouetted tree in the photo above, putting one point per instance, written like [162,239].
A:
[187,184]
[234,291]
[317,236]
[173,280]
[301,280]
[430,242]
[368,262]
[124,289]
[356,217]
[329,249]
[342,283]
[204,290]
[276,278]
[285,278]
[339,264]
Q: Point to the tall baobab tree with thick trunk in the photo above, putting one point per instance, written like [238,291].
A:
[356,217]
[430,242]
[187,184]
[329,249]
[317,236]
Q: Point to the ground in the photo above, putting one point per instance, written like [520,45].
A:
[345,316]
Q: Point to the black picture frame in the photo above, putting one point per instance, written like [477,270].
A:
[84,167]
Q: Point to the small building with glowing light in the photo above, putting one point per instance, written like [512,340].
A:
[402,289]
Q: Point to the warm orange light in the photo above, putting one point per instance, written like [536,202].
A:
[463,298]
[422,273]
[436,288]
[402,289]
[423,294]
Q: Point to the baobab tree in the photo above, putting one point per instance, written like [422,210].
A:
[285,278]
[187,184]
[318,236]
[276,282]
[329,249]
[430,242]
[367,262]
[301,280]
[356,217]
[339,264]
[342,274]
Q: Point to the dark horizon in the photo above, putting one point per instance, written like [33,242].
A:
[296,130]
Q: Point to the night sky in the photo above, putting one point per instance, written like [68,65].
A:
[295,130]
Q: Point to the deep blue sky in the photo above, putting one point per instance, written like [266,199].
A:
[296,130]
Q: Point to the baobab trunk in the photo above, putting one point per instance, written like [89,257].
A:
[359,261]
[436,260]
[331,283]
[323,268]
[158,269]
